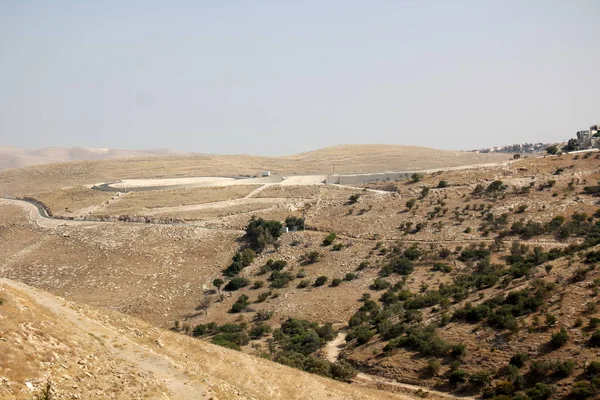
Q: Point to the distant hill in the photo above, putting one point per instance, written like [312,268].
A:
[346,158]
[14,157]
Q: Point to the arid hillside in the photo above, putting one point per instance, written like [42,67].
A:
[13,157]
[67,351]
[347,159]
[473,281]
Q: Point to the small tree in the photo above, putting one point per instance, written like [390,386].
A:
[218,282]
[442,184]
[552,150]
[410,203]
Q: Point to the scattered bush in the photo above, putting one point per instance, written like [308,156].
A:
[310,258]
[236,283]
[595,339]
[541,391]
[329,239]
[559,339]
[353,198]
[320,281]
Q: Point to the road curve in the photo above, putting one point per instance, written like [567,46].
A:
[38,215]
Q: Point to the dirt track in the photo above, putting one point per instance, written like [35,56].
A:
[332,353]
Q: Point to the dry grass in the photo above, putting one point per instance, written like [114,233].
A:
[134,202]
[72,201]
[348,159]
[278,191]
[36,346]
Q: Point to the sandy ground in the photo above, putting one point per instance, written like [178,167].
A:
[216,205]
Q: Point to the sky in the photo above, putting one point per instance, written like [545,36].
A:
[282,77]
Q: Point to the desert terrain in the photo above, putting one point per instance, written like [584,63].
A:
[14,157]
[382,281]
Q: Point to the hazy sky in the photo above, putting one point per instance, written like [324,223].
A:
[280,77]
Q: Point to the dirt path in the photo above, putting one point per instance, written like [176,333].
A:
[180,385]
[332,352]
[539,242]
[215,205]
[257,190]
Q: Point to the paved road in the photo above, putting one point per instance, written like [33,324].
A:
[41,218]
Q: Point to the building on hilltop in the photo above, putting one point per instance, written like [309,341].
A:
[589,139]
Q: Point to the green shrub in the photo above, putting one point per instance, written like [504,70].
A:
[564,368]
[593,369]
[301,273]
[261,233]
[595,339]
[442,184]
[583,390]
[411,203]
[412,253]
[336,282]
[310,257]
[541,391]
[540,368]
[350,276]
[236,283]
[263,296]
[434,366]
[303,284]
[353,198]
[263,315]
[559,339]
[416,177]
[443,267]
[258,285]
[240,305]
[320,281]
[329,239]
[458,376]
[519,359]
[361,333]
[294,223]
[479,379]
[380,284]
[259,330]
[280,279]
[342,371]
[337,247]
[458,350]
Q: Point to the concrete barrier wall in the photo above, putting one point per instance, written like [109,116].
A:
[367,178]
